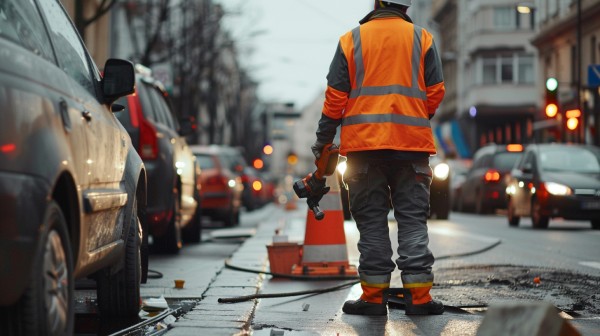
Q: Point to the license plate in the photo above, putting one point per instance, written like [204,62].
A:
[590,205]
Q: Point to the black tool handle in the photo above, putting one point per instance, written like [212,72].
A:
[318,213]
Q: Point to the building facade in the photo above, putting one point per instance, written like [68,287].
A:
[568,43]
[490,74]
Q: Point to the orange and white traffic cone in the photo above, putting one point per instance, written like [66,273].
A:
[324,250]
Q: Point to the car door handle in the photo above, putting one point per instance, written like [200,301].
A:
[87,115]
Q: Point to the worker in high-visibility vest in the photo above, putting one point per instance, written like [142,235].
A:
[384,85]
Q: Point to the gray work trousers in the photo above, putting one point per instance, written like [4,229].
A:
[371,185]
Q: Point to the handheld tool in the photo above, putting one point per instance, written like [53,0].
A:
[312,187]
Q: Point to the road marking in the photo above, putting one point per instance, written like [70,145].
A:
[593,264]
[454,233]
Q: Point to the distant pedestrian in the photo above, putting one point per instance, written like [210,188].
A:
[384,85]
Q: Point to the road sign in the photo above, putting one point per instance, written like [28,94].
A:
[594,75]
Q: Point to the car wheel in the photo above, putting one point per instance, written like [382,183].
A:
[171,242]
[596,224]
[46,307]
[513,220]
[119,293]
[144,249]
[537,219]
[192,233]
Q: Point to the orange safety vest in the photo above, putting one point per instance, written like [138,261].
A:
[389,105]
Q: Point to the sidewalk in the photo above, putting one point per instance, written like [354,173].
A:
[290,315]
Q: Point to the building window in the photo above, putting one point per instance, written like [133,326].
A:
[504,17]
[506,69]
[525,69]
[489,71]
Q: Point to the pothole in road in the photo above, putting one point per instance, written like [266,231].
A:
[479,285]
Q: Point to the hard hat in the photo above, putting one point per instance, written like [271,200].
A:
[406,3]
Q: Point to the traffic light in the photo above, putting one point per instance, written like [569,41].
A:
[551,107]
[573,117]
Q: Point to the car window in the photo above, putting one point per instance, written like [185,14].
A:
[21,22]
[529,161]
[205,161]
[573,159]
[148,109]
[164,109]
[506,161]
[68,47]
[158,105]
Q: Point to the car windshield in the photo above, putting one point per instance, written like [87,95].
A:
[205,161]
[572,159]
[506,161]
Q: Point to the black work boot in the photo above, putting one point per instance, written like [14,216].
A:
[430,308]
[360,307]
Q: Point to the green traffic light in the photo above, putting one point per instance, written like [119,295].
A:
[551,84]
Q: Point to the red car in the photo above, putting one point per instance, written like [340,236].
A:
[221,192]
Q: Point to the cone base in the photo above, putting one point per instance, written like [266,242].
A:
[324,269]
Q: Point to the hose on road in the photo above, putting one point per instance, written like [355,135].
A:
[328,289]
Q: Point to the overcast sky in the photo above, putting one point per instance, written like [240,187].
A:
[287,45]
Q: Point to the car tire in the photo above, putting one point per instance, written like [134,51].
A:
[144,248]
[170,242]
[119,293]
[513,220]
[596,224]
[40,311]
[538,221]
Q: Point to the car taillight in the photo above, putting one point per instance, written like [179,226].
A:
[148,145]
[245,178]
[148,148]
[491,176]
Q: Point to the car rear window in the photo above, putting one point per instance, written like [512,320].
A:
[506,161]
[205,161]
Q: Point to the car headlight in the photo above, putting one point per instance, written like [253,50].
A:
[558,189]
[441,171]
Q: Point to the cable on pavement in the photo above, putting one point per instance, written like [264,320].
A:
[329,289]
[276,295]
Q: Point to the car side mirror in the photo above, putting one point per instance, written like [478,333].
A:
[118,79]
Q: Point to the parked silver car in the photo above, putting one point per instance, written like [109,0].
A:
[71,183]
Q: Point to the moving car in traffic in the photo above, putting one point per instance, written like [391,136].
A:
[71,184]
[160,140]
[555,180]
[484,187]
[221,192]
